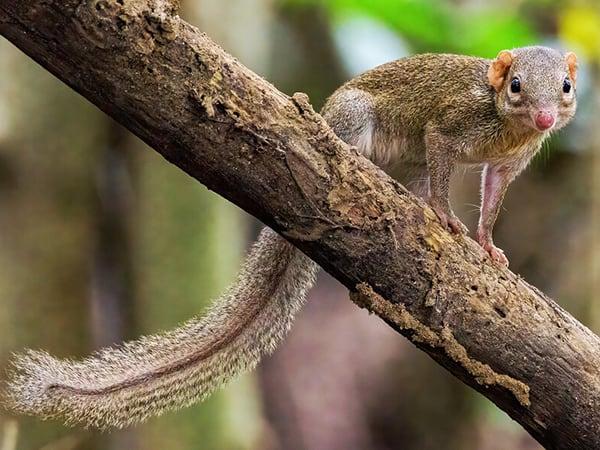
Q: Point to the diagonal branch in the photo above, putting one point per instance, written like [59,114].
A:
[277,159]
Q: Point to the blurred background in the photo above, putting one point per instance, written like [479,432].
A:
[101,240]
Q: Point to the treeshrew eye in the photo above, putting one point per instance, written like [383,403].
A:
[515,85]
[567,86]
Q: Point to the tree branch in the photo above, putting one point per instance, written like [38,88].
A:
[277,159]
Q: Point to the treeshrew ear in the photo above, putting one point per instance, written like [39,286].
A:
[571,59]
[499,69]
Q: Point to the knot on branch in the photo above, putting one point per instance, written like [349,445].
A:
[302,102]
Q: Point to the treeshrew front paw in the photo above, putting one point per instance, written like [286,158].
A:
[448,219]
[496,254]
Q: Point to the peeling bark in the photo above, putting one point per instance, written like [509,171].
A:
[444,339]
[275,157]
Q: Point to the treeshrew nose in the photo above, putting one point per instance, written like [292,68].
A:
[544,120]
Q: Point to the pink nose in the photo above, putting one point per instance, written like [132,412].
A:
[544,120]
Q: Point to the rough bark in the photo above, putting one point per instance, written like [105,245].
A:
[277,159]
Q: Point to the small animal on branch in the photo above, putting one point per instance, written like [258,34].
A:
[425,114]
[431,112]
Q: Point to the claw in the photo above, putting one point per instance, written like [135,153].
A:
[496,254]
[448,219]
[457,226]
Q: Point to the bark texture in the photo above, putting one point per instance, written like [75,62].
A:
[277,159]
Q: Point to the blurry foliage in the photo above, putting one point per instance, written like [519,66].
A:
[431,25]
[580,26]
[187,241]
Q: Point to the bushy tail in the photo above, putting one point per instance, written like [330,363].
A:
[117,387]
